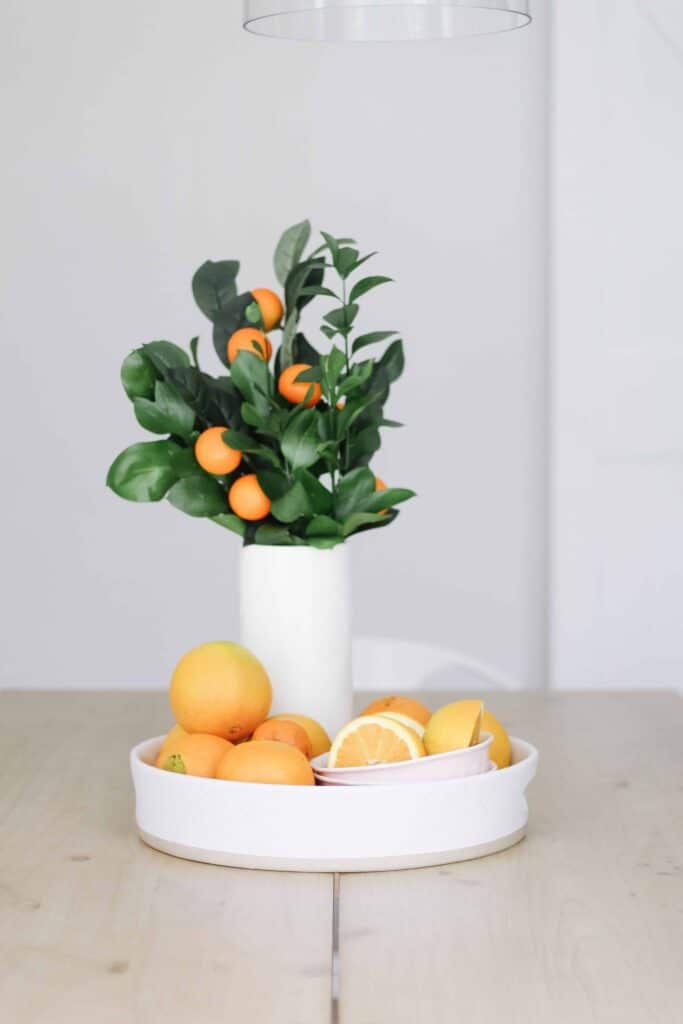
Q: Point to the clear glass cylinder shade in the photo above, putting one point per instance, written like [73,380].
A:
[382,20]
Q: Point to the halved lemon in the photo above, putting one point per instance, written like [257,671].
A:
[374,739]
[454,727]
[412,723]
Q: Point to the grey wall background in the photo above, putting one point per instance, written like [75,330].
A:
[144,137]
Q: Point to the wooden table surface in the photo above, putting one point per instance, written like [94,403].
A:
[581,922]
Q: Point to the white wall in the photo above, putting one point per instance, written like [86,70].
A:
[617,577]
[144,137]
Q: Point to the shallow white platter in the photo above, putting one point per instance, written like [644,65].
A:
[331,828]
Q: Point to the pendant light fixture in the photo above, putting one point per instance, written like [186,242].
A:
[382,20]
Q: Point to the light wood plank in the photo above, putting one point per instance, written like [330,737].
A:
[582,922]
[96,926]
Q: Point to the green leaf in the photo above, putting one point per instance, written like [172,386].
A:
[345,260]
[240,442]
[352,411]
[285,356]
[289,249]
[393,360]
[331,243]
[319,496]
[278,536]
[194,344]
[362,260]
[342,318]
[323,542]
[250,375]
[198,495]
[184,463]
[311,376]
[365,285]
[304,351]
[353,488]
[323,526]
[274,484]
[300,440]
[214,285]
[363,445]
[167,414]
[332,366]
[216,400]
[143,472]
[319,290]
[137,376]
[253,314]
[389,423]
[359,376]
[337,242]
[387,498]
[371,338]
[329,332]
[358,519]
[230,522]
[164,355]
[308,274]
[293,505]
[251,416]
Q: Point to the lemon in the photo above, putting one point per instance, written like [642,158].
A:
[500,751]
[454,726]
[374,739]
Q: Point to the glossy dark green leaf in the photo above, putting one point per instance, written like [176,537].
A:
[353,488]
[300,441]
[164,355]
[332,366]
[342,318]
[370,339]
[184,462]
[329,332]
[167,414]
[214,285]
[198,495]
[251,416]
[230,522]
[278,536]
[273,483]
[310,376]
[387,498]
[323,526]
[290,248]
[250,375]
[138,376]
[143,472]
[389,423]
[228,320]
[194,345]
[345,260]
[319,290]
[285,355]
[358,377]
[337,242]
[331,243]
[362,260]
[366,284]
[358,519]
[308,274]
[293,505]
[393,360]
[363,445]
[324,542]
[319,496]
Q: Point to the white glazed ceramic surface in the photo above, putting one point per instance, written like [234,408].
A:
[456,764]
[331,828]
[287,596]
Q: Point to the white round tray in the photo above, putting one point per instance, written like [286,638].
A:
[331,828]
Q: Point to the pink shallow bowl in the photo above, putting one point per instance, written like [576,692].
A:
[456,764]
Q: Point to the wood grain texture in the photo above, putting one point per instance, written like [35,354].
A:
[96,926]
[582,922]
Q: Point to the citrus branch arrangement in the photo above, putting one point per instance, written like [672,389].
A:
[279,456]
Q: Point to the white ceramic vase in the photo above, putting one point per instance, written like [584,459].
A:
[295,616]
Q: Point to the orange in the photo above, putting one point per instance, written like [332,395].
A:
[244,338]
[247,500]
[266,761]
[270,305]
[222,689]
[194,754]
[284,731]
[175,733]
[454,726]
[320,741]
[374,739]
[380,486]
[213,454]
[295,390]
[500,751]
[404,705]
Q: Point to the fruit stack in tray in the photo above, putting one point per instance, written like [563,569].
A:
[221,695]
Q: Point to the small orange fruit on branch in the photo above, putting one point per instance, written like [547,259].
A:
[249,339]
[248,500]
[270,306]
[294,390]
[213,454]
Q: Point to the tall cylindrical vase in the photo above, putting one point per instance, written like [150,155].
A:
[295,616]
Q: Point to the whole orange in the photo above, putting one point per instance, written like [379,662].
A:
[294,390]
[266,761]
[194,754]
[404,705]
[285,731]
[320,741]
[247,500]
[172,737]
[270,305]
[213,454]
[244,338]
[222,689]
